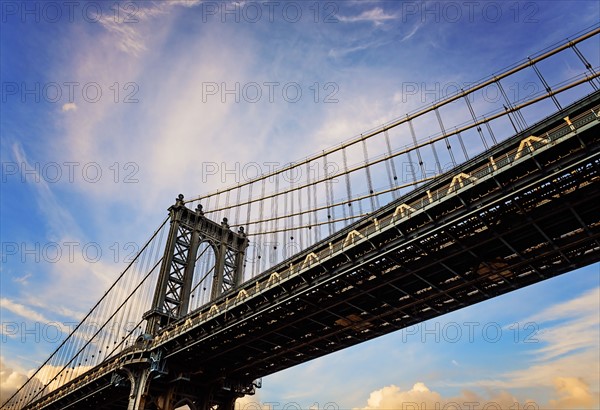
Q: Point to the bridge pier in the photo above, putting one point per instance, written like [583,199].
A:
[218,399]
[153,387]
[144,397]
[228,402]
[140,383]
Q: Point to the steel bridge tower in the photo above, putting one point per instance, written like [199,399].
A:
[189,229]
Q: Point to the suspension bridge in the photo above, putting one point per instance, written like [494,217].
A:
[453,204]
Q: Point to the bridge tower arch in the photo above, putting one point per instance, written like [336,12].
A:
[189,229]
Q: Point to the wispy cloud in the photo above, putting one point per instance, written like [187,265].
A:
[569,344]
[124,23]
[23,280]
[340,52]
[377,16]
[568,359]
[60,221]
[22,311]
[413,31]
[71,273]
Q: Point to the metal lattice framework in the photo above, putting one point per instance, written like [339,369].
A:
[189,229]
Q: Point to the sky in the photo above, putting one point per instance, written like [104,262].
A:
[111,109]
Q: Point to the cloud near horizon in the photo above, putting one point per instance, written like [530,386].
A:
[572,393]
[10,381]
[566,363]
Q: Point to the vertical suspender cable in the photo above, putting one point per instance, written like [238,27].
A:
[518,115]
[374,204]
[348,184]
[489,128]
[311,214]
[462,145]
[330,215]
[587,65]
[446,140]
[475,120]
[391,167]
[546,86]
[414,138]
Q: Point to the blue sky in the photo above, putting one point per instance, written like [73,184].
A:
[97,169]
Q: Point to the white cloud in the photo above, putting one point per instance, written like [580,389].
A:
[421,397]
[124,22]
[573,394]
[567,360]
[186,3]
[31,315]
[412,32]
[129,40]
[78,277]
[568,343]
[23,311]
[23,280]
[58,218]
[10,381]
[376,16]
[251,402]
[71,106]
[340,52]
